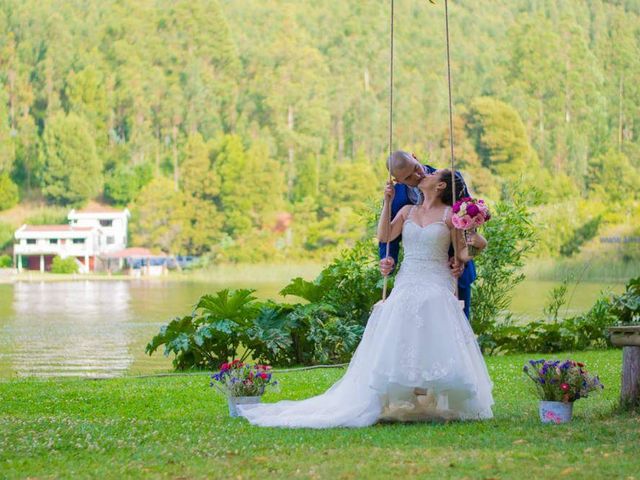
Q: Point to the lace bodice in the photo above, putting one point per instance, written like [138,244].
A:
[426,243]
[426,251]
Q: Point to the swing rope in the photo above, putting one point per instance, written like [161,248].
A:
[453,170]
[386,277]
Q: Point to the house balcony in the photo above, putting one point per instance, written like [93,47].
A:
[63,250]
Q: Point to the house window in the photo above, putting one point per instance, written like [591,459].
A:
[111,240]
[78,240]
[31,241]
[53,241]
[106,223]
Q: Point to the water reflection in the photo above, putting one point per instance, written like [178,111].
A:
[71,329]
[100,328]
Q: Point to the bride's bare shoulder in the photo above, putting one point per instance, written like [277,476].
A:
[404,211]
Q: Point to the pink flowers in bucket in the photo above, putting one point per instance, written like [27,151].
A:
[469,213]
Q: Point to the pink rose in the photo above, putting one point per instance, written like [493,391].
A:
[462,223]
[478,220]
[473,210]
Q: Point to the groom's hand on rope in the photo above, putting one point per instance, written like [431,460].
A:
[457,267]
[386,266]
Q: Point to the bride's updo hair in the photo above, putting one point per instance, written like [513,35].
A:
[446,195]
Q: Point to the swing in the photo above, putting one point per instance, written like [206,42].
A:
[390,179]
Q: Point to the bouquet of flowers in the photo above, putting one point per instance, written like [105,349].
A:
[557,381]
[237,379]
[468,214]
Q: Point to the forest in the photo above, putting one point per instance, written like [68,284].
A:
[256,130]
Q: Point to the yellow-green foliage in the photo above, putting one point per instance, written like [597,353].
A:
[64,265]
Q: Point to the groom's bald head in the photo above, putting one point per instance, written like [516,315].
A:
[405,168]
[398,160]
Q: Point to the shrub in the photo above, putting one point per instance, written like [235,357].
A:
[64,265]
[581,236]
[625,308]
[572,334]
[6,261]
[327,329]
[212,333]
[6,235]
[510,235]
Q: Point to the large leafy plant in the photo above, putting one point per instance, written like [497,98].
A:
[626,307]
[212,333]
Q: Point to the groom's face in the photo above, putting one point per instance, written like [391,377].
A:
[410,174]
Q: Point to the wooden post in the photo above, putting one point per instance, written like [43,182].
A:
[630,391]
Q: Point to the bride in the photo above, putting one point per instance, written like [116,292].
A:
[418,358]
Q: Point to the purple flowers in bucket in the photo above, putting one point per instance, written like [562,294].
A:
[237,379]
[561,381]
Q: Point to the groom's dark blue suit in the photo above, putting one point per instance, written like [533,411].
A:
[403,197]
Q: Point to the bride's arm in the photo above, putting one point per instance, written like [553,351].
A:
[388,233]
[462,252]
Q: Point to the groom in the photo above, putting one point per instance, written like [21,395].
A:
[408,172]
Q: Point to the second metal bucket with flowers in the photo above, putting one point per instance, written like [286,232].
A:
[559,384]
[242,384]
[555,412]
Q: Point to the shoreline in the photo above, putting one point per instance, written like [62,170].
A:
[255,273]
[540,269]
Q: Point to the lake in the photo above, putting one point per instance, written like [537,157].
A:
[99,328]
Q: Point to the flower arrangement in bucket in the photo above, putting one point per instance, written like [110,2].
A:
[559,384]
[242,383]
[468,214]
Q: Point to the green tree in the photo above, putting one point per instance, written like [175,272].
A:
[123,184]
[198,177]
[72,170]
[161,218]
[614,178]
[7,145]
[500,137]
[8,192]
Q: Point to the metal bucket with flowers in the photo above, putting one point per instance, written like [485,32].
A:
[242,383]
[559,384]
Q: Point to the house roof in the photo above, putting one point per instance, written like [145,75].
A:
[134,252]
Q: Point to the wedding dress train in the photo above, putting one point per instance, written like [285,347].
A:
[419,338]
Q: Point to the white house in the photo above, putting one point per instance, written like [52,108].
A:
[112,223]
[38,244]
[90,234]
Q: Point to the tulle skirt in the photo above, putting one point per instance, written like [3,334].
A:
[418,360]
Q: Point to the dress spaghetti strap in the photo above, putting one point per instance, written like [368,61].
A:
[446,212]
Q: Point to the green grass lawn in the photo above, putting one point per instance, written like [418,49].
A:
[177,427]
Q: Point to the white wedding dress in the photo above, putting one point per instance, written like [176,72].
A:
[418,338]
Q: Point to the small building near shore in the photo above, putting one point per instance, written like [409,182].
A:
[136,261]
[91,233]
[38,244]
